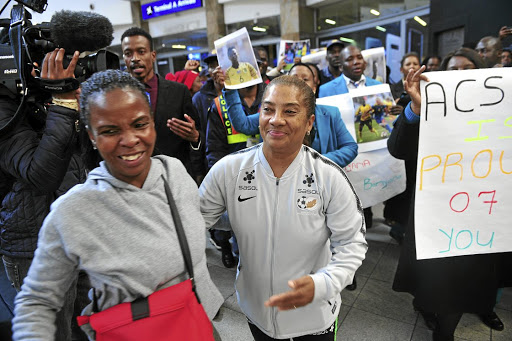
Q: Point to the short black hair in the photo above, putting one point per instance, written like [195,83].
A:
[470,54]
[103,82]
[307,93]
[137,31]
[407,55]
[313,65]
[302,64]
[261,48]
[347,48]
[427,58]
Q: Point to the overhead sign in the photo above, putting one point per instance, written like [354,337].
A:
[464,174]
[164,7]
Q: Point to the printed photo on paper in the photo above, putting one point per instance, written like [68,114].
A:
[375,63]
[289,49]
[237,60]
[373,120]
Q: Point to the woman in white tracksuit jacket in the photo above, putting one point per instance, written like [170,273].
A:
[298,221]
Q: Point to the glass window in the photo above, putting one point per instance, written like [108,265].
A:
[417,35]
[187,43]
[387,36]
[366,39]
[261,28]
[346,12]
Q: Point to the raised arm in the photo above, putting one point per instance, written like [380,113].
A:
[248,125]
[403,141]
[41,161]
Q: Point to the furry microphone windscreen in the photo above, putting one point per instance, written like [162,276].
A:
[81,31]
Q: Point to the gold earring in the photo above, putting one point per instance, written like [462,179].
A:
[307,133]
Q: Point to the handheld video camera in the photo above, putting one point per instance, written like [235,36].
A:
[22,45]
[29,44]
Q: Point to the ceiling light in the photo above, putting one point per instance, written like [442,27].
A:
[374,12]
[331,22]
[347,40]
[179,46]
[259,29]
[420,21]
[380,28]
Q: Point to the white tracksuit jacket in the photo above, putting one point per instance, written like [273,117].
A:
[309,221]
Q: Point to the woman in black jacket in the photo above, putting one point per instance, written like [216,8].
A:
[40,159]
[443,288]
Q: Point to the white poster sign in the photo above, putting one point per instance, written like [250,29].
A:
[237,60]
[317,58]
[464,178]
[375,63]
[375,175]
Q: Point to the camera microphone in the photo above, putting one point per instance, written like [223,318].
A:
[84,32]
[81,31]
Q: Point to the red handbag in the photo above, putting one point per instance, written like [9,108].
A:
[173,313]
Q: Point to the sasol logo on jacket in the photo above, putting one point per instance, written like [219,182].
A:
[308,199]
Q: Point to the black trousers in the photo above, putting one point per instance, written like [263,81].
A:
[327,335]
[446,325]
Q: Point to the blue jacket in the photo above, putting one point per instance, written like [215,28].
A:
[332,139]
[216,137]
[338,86]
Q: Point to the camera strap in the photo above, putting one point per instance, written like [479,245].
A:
[18,17]
[58,86]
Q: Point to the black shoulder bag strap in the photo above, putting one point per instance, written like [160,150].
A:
[140,307]
[182,238]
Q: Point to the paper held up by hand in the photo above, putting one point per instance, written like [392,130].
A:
[237,60]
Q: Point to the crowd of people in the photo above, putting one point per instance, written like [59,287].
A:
[85,206]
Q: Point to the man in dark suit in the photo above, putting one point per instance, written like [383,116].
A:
[176,119]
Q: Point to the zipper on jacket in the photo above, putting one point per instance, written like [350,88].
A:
[274,309]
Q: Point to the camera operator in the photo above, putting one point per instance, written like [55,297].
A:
[40,159]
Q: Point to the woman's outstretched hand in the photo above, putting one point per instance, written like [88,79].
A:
[302,293]
[412,86]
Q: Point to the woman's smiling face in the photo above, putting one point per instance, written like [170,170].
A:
[284,119]
[124,132]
